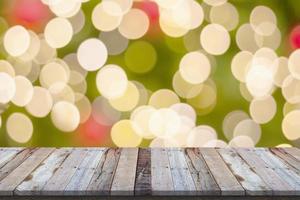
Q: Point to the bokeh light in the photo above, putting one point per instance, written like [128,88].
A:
[107,16]
[290,125]
[7,68]
[51,73]
[114,42]
[163,98]
[185,89]
[226,15]
[123,134]
[294,64]
[295,37]
[140,119]
[60,91]
[58,32]
[7,88]
[112,81]
[41,102]
[158,73]
[231,120]
[240,65]
[135,24]
[248,128]
[241,141]
[128,101]
[103,113]
[16,40]
[92,54]
[195,67]
[32,14]
[215,39]
[140,57]
[46,53]
[263,20]
[263,110]
[164,123]
[65,116]
[77,21]
[19,127]
[215,2]
[245,38]
[201,135]
[24,91]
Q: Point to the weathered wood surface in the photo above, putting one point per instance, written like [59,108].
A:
[40,172]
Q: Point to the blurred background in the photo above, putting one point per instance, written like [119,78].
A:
[151,60]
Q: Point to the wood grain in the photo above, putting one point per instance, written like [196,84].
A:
[7,154]
[103,176]
[290,175]
[292,161]
[34,183]
[250,181]
[170,172]
[124,179]
[226,181]
[84,173]
[162,183]
[182,179]
[204,182]
[14,161]
[8,184]
[295,152]
[143,173]
[62,176]
[278,184]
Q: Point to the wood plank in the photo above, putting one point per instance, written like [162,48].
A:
[165,172]
[182,179]
[124,179]
[250,181]
[223,176]
[103,176]
[143,173]
[84,174]
[278,185]
[58,182]
[292,161]
[290,175]
[204,182]
[15,161]
[7,154]
[8,185]
[162,183]
[295,152]
[34,183]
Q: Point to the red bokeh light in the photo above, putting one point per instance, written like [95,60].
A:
[151,9]
[295,37]
[32,14]
[92,133]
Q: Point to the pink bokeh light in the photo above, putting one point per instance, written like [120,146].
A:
[295,37]
[32,14]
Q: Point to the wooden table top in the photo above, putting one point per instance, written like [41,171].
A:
[153,172]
